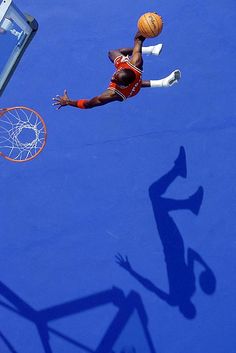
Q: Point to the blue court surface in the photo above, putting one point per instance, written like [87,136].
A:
[113,182]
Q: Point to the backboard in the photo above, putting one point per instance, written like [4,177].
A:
[16,32]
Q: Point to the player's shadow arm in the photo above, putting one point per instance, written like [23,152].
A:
[124,263]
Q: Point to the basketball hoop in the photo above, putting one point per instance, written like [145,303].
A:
[23,134]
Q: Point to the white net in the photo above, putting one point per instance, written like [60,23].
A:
[22,134]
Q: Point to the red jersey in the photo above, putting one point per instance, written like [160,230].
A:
[123,62]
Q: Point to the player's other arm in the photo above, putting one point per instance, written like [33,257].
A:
[102,99]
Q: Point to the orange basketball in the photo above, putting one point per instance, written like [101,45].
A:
[150,24]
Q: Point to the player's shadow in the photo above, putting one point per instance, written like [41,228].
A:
[127,308]
[181,276]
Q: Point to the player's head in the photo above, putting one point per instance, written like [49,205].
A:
[123,77]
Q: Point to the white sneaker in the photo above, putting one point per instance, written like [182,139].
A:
[157,49]
[173,78]
[152,49]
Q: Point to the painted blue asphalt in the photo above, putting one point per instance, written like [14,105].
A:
[107,183]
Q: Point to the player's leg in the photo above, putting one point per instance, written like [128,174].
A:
[168,81]
[152,49]
[126,51]
[146,83]
[113,54]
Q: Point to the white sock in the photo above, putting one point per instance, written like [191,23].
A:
[168,81]
[153,49]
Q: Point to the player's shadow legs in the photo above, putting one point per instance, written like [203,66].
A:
[159,187]
[193,203]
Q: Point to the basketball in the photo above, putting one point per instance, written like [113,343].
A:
[150,24]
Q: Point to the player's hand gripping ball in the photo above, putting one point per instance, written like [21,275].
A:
[150,24]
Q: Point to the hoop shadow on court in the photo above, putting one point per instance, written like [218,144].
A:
[181,276]
[127,332]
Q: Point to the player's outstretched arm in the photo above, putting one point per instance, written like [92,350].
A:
[104,98]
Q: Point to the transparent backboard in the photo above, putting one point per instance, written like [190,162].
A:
[16,32]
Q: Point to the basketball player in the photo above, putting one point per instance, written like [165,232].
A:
[127,80]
